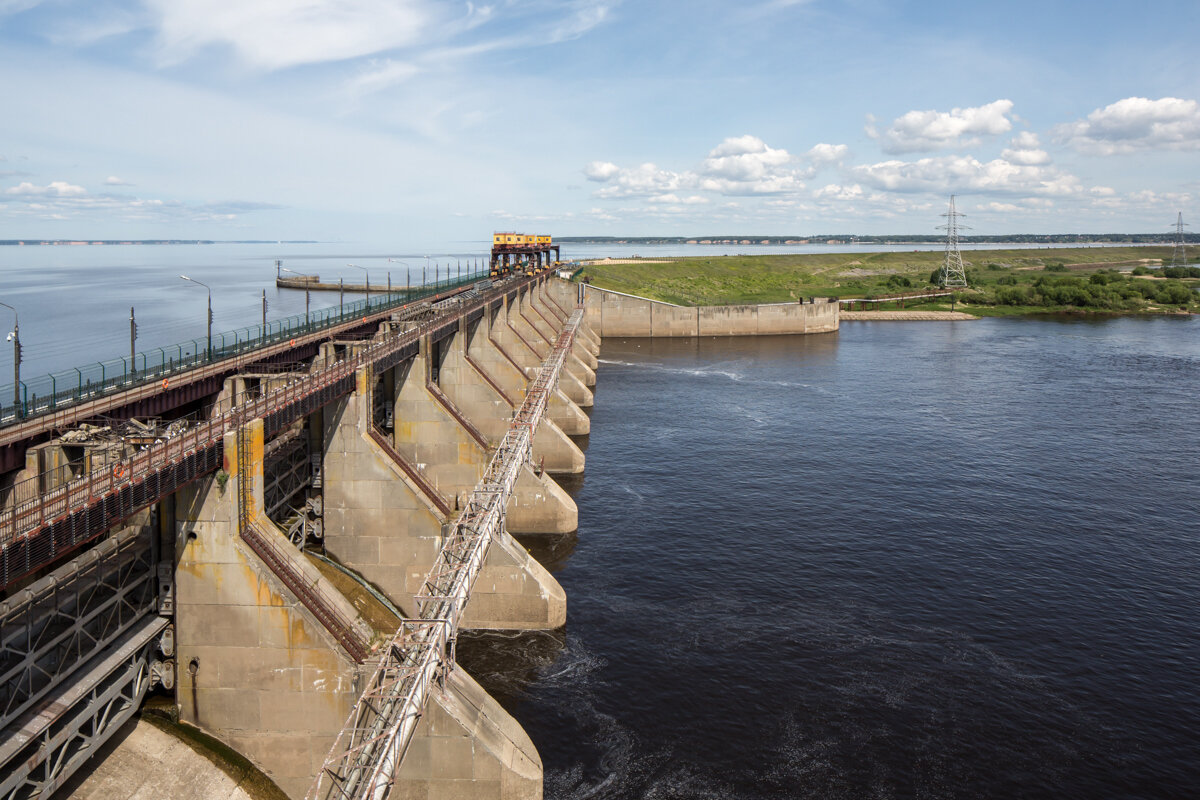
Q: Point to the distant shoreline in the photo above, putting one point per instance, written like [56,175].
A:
[108,242]
[1101,239]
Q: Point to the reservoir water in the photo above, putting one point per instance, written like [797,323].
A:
[904,560]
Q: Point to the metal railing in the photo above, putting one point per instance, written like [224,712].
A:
[368,751]
[48,393]
[41,526]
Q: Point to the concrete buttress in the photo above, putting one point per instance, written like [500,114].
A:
[521,319]
[258,670]
[432,433]
[581,363]
[510,378]
[484,403]
[385,520]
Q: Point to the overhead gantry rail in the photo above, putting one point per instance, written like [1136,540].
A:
[42,526]
[364,759]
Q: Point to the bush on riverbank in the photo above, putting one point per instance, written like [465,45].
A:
[1107,291]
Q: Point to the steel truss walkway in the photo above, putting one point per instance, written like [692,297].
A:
[366,756]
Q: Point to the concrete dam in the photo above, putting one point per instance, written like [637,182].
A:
[171,551]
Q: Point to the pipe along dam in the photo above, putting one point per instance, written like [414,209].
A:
[157,529]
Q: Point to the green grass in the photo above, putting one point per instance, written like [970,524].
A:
[733,280]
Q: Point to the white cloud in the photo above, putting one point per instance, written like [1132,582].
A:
[822,154]
[380,75]
[584,16]
[773,184]
[1136,124]
[113,180]
[601,171]
[1025,149]
[275,34]
[740,166]
[835,191]
[53,189]
[944,174]
[744,158]
[646,180]
[919,131]
[691,200]
[746,165]
[16,6]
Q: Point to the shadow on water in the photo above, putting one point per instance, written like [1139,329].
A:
[505,663]
[551,551]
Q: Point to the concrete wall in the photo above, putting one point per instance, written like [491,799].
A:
[624,315]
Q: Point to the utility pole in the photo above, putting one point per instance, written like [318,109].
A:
[264,324]
[953,276]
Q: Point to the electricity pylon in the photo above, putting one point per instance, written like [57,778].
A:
[953,275]
[1179,256]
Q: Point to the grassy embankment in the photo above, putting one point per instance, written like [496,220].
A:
[1004,282]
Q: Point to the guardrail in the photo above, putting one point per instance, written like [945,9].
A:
[148,368]
[43,527]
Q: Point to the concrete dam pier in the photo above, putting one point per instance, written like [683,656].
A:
[404,442]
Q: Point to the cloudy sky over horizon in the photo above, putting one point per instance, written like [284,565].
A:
[395,121]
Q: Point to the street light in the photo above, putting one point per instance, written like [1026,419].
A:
[209,289]
[407,273]
[364,269]
[302,275]
[15,338]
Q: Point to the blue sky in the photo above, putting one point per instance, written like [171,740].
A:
[414,121]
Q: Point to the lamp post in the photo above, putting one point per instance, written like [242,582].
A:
[15,338]
[132,342]
[264,325]
[306,290]
[364,269]
[210,317]
[407,272]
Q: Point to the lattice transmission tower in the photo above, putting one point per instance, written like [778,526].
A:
[1179,256]
[953,275]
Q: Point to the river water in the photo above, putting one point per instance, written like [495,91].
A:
[903,560]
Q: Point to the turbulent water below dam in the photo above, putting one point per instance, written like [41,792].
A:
[903,560]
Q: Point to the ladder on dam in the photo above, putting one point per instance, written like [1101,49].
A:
[368,751]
